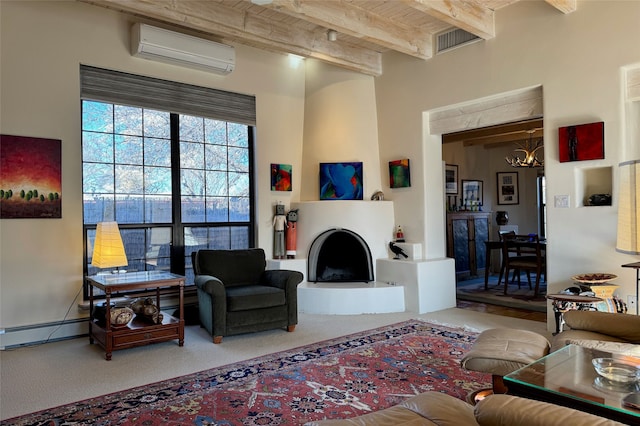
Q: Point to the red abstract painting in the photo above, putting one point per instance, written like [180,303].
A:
[281,177]
[581,142]
[30,177]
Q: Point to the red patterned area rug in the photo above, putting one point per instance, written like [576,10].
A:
[339,378]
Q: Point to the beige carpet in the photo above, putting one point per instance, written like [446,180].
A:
[35,378]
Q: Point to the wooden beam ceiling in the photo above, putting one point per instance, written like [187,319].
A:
[352,19]
[494,136]
[251,29]
[469,16]
[366,28]
[564,6]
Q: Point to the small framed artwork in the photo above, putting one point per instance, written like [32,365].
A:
[508,192]
[451,179]
[399,174]
[581,142]
[30,178]
[281,177]
[472,193]
[341,181]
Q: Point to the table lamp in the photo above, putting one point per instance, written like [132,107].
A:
[108,250]
[628,240]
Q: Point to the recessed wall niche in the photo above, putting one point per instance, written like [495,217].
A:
[590,181]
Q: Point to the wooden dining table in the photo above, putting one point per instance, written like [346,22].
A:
[491,245]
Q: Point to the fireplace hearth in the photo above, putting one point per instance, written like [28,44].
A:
[339,255]
[365,227]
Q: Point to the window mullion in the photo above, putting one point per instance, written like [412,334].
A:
[177,247]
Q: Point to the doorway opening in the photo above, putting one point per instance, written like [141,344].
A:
[473,234]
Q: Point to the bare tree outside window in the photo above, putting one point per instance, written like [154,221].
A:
[130,170]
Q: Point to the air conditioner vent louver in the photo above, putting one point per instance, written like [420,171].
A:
[455,38]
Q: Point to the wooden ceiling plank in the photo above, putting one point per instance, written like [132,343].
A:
[469,16]
[347,18]
[250,29]
[564,6]
[499,133]
[493,141]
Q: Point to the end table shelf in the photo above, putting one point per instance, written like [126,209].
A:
[138,331]
[636,266]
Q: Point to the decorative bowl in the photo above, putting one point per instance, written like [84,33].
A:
[594,278]
[617,370]
[605,385]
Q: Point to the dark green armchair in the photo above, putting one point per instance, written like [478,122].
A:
[237,295]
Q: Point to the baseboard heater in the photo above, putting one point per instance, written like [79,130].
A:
[37,334]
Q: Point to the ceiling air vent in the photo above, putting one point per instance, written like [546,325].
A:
[455,38]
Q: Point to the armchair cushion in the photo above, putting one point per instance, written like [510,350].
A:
[232,267]
[242,298]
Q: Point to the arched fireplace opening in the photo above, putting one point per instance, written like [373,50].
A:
[339,255]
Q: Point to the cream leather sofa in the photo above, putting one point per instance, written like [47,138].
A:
[600,330]
[434,408]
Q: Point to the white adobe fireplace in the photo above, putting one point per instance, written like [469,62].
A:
[373,222]
[415,284]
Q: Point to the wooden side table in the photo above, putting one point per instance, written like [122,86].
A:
[566,302]
[137,332]
[636,266]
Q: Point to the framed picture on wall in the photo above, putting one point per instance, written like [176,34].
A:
[341,181]
[281,177]
[581,142]
[451,179]
[472,193]
[30,178]
[399,174]
[508,192]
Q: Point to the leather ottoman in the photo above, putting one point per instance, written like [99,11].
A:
[500,351]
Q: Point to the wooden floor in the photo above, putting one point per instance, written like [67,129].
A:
[503,311]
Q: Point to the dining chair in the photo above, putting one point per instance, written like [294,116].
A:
[502,236]
[528,257]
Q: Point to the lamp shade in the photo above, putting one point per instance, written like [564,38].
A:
[628,204]
[108,250]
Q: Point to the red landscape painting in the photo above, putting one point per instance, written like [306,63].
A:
[30,177]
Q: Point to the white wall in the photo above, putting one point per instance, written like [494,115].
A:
[340,126]
[577,58]
[42,46]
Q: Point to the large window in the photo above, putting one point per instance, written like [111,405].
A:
[175,183]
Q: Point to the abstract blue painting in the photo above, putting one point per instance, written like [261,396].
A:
[341,181]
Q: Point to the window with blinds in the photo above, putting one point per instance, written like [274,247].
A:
[171,163]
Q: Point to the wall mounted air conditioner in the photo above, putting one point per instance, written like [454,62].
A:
[180,49]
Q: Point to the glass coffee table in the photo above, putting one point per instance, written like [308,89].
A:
[567,377]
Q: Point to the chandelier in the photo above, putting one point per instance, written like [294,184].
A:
[529,148]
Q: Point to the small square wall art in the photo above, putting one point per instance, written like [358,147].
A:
[281,177]
[581,142]
[341,181]
[399,174]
